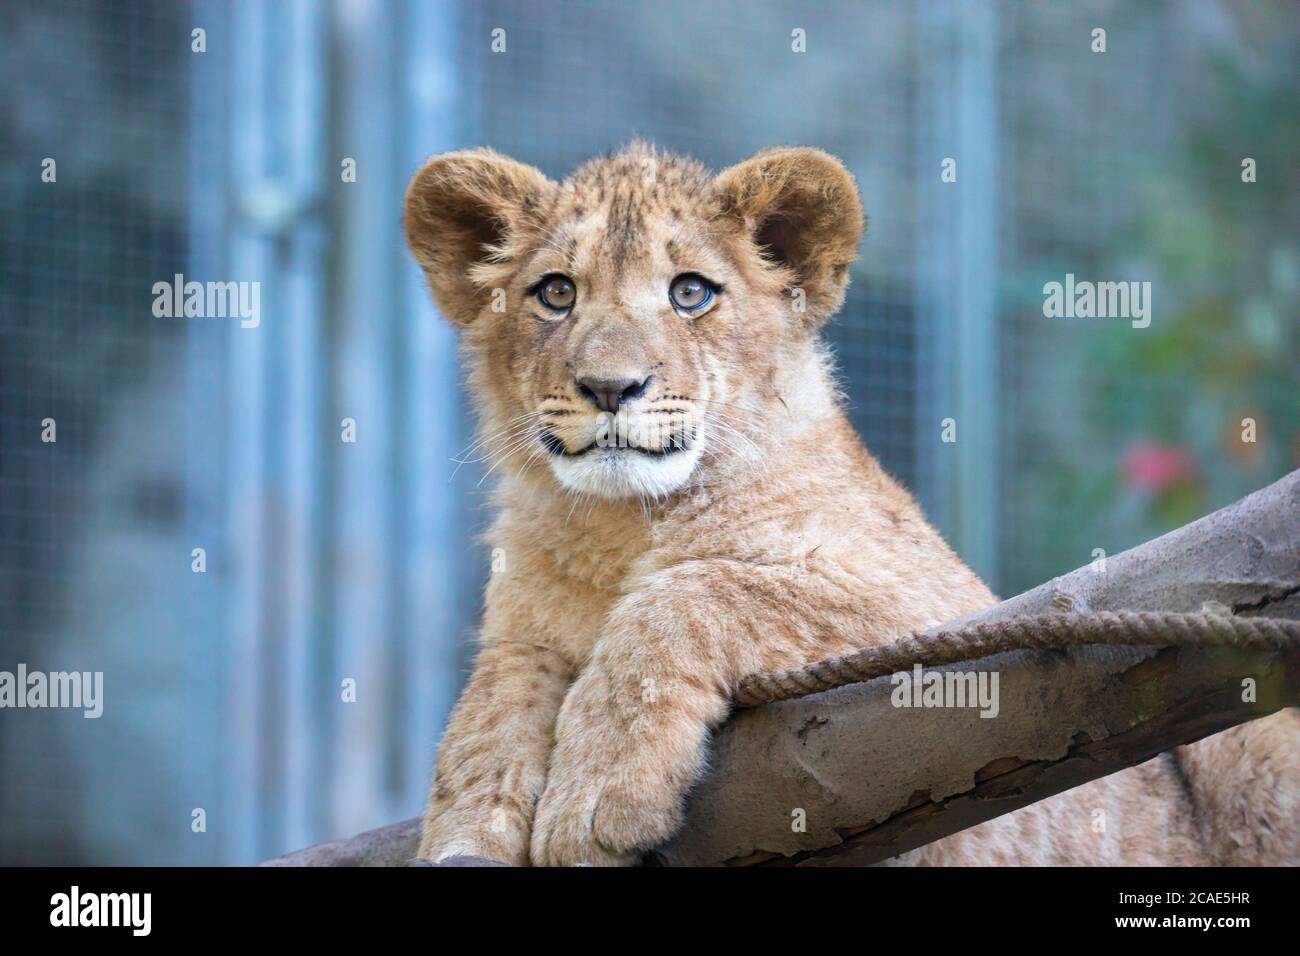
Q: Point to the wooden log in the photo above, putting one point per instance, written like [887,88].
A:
[868,780]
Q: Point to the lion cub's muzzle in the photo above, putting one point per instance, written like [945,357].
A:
[621,435]
[648,433]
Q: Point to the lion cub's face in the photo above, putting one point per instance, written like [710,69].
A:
[622,339]
[625,325]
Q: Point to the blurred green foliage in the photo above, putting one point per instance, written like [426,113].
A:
[1222,346]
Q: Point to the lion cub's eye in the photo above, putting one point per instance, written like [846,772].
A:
[557,293]
[691,293]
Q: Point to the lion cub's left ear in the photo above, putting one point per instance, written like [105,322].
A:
[465,215]
[800,207]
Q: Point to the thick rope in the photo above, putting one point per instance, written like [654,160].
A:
[1047,631]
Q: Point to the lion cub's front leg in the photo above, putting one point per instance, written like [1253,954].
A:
[631,738]
[492,760]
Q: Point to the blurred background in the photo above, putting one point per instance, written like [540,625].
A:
[222,156]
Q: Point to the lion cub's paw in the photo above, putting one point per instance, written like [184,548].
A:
[487,831]
[632,819]
[562,830]
[590,819]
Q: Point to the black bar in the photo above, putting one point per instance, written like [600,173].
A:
[330,907]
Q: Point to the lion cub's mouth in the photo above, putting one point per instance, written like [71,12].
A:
[677,442]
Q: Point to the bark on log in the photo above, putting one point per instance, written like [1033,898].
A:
[873,780]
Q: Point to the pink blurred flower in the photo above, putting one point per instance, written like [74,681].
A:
[1150,466]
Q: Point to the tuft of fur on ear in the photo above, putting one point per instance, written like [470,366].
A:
[800,207]
[465,216]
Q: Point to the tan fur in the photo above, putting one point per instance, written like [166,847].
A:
[639,588]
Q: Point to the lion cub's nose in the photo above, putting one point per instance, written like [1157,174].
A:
[609,394]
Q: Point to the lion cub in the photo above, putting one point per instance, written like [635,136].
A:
[682,500]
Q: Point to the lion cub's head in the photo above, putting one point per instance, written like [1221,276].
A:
[630,325]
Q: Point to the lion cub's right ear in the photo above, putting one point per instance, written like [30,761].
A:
[465,214]
[800,208]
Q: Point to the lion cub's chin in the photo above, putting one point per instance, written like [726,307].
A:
[619,473]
